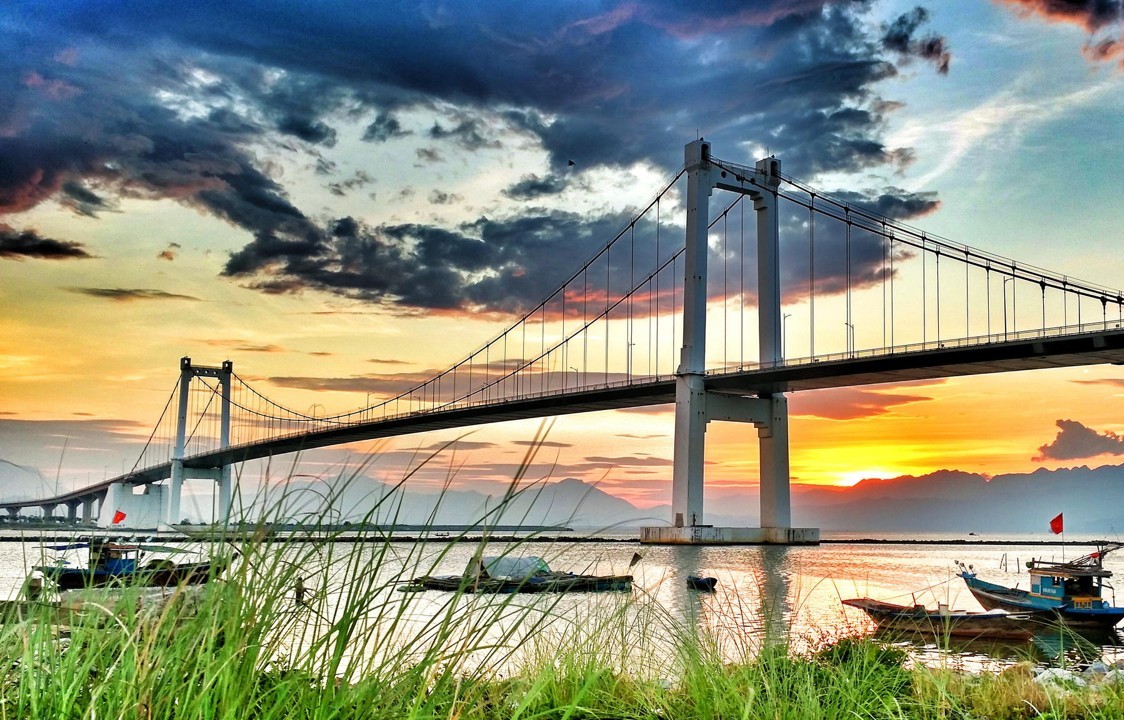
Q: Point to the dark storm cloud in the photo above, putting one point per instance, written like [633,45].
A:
[129,295]
[1095,16]
[195,87]
[840,262]
[384,127]
[533,187]
[469,133]
[82,200]
[490,264]
[20,244]
[1076,441]
[1089,14]
[899,37]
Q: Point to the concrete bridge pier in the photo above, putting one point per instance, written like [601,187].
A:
[695,405]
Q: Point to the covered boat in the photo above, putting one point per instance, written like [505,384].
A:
[942,622]
[1072,591]
[511,574]
[124,563]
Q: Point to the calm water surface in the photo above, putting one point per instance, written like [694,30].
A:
[788,592]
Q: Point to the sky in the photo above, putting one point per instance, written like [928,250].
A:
[348,197]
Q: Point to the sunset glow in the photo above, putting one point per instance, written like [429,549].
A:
[346,223]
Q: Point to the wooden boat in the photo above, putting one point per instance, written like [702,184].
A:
[955,623]
[113,563]
[705,584]
[530,574]
[1072,591]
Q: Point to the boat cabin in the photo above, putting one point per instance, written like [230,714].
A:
[1076,584]
[115,558]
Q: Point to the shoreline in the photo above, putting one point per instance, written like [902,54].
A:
[462,535]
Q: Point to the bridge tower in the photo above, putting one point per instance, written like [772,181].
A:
[695,405]
[220,474]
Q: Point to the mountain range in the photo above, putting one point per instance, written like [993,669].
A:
[1092,500]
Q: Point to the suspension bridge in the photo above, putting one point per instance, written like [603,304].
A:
[723,311]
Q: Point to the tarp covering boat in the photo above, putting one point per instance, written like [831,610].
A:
[519,574]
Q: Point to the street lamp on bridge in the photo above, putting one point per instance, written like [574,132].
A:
[850,338]
[784,335]
[1005,281]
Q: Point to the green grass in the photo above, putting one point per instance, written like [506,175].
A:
[240,647]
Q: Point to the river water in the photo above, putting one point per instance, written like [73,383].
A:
[763,592]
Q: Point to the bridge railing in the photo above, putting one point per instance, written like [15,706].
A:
[995,338]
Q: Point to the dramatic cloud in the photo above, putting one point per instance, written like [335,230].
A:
[533,187]
[169,253]
[130,295]
[20,244]
[1075,442]
[1097,17]
[1089,14]
[182,118]
[899,37]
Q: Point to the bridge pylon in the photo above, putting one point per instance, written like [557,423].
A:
[221,474]
[695,405]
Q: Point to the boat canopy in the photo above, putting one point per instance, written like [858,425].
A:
[1090,565]
[507,567]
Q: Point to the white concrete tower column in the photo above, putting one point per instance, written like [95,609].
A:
[690,391]
[175,484]
[224,442]
[772,438]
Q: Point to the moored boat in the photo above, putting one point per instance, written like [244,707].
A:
[1072,591]
[530,574]
[995,625]
[113,563]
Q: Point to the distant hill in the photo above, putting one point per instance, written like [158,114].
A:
[568,502]
[943,501]
[950,500]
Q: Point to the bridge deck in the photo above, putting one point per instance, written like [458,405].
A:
[861,368]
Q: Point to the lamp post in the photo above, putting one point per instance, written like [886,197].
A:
[850,338]
[784,335]
[577,376]
[1005,281]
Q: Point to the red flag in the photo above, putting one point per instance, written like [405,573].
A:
[118,517]
[1056,524]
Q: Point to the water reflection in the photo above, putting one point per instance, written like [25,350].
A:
[765,594]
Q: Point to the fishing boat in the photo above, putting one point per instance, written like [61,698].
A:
[528,574]
[113,563]
[1072,591]
[942,622]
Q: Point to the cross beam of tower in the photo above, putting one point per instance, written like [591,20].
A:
[695,405]
[220,474]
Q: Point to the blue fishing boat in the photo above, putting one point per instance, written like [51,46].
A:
[1072,590]
[115,563]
